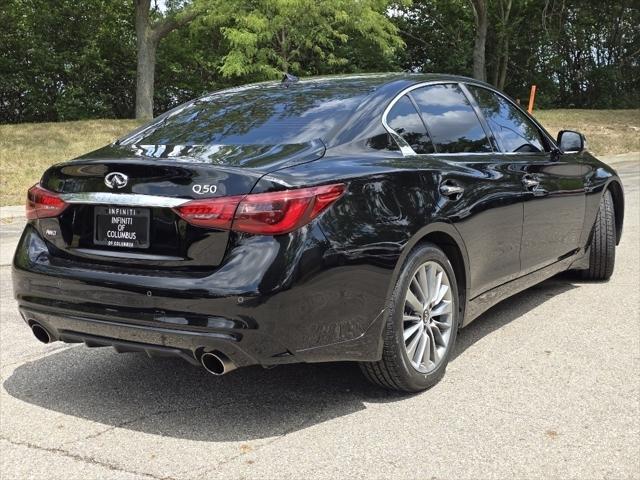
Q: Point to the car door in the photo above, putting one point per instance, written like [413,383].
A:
[553,184]
[481,193]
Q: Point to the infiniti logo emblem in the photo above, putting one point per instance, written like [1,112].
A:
[116,180]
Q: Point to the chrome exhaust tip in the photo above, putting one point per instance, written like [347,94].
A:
[216,363]
[41,333]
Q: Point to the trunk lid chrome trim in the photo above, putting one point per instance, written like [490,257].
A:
[128,199]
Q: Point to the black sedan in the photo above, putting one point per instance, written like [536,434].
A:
[358,218]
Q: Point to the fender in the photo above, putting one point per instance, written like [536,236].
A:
[432,228]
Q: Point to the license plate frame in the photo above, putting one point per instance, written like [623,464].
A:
[121,227]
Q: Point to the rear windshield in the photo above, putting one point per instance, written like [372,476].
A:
[258,115]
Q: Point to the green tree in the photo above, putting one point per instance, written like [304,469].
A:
[264,38]
[65,60]
[438,35]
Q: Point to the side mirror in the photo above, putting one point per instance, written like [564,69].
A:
[571,142]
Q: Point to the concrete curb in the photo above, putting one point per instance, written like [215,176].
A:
[12,213]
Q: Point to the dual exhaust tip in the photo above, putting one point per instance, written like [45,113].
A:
[214,363]
[41,333]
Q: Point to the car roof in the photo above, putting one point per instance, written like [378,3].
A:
[388,77]
[359,81]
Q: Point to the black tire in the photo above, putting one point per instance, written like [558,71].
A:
[602,249]
[394,370]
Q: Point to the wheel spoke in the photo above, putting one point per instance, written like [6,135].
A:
[413,302]
[418,289]
[433,352]
[434,349]
[424,284]
[421,348]
[436,289]
[426,354]
[437,336]
[443,308]
[441,293]
[442,326]
[411,330]
[411,348]
[432,281]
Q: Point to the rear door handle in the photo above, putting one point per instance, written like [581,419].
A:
[449,190]
[530,182]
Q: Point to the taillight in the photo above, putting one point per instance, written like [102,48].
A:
[42,203]
[210,212]
[272,213]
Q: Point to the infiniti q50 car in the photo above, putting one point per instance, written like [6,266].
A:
[357,218]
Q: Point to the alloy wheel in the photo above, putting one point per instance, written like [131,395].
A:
[428,317]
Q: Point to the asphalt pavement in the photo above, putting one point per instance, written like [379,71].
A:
[544,385]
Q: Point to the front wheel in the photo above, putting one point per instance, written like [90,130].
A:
[422,323]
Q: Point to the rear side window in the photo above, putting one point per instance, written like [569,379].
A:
[404,119]
[515,132]
[452,122]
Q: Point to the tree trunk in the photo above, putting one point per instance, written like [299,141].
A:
[504,39]
[148,36]
[146,61]
[145,81]
[481,22]
[503,66]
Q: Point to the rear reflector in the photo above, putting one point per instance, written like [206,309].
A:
[42,203]
[272,213]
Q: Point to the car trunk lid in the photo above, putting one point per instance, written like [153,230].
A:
[121,200]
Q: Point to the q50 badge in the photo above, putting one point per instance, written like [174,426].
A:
[204,189]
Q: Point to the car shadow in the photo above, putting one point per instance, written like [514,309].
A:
[511,309]
[171,398]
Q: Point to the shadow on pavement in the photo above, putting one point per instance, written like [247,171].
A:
[171,398]
[512,308]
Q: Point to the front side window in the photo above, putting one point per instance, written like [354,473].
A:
[452,121]
[515,132]
[405,121]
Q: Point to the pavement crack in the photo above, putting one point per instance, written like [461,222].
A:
[131,421]
[80,458]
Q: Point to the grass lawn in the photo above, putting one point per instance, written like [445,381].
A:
[608,131]
[26,150]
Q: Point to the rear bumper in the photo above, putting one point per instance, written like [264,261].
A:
[154,341]
[254,310]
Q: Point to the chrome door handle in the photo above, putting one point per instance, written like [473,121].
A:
[530,182]
[451,190]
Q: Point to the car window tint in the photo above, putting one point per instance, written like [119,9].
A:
[404,119]
[452,122]
[515,132]
[262,115]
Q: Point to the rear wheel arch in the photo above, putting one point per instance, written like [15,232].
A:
[447,238]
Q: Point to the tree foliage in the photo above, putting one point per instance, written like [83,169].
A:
[73,59]
[580,53]
[263,39]
[66,60]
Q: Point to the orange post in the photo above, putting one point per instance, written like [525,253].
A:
[532,97]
